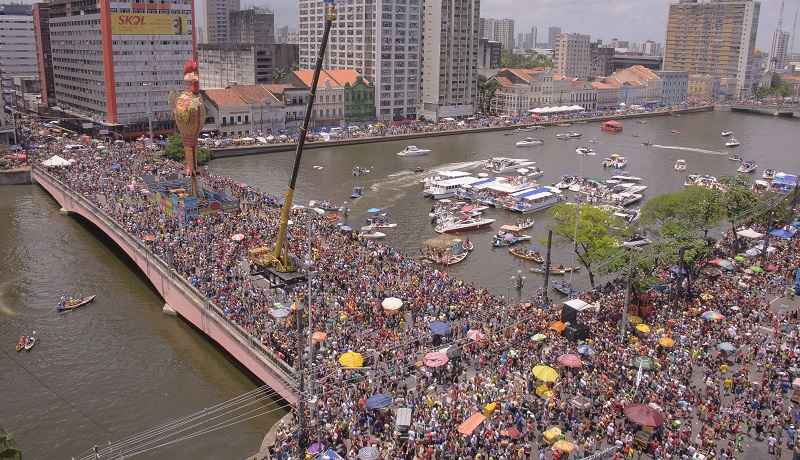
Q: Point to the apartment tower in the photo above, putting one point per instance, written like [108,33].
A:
[499,30]
[216,17]
[17,46]
[573,57]
[552,36]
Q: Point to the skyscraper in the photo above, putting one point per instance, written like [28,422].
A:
[777,53]
[552,36]
[533,38]
[216,19]
[17,46]
[717,39]
[498,30]
[573,58]
[254,25]
[449,64]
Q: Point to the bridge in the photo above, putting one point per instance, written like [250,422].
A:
[179,294]
[766,110]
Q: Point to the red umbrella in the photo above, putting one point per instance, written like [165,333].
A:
[435,359]
[514,433]
[643,414]
[475,335]
[570,360]
[149,238]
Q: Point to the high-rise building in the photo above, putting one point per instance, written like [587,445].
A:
[650,48]
[716,38]
[254,25]
[520,43]
[780,46]
[552,36]
[602,58]
[216,19]
[449,60]
[573,58]
[115,64]
[532,42]
[41,31]
[379,39]
[17,46]
[498,30]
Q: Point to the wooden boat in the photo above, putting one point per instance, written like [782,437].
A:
[77,303]
[20,346]
[563,287]
[556,270]
[527,254]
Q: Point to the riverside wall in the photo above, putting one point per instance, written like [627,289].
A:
[178,293]
[18,176]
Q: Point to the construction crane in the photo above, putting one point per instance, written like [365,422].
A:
[279,259]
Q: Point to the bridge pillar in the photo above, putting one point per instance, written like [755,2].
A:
[168,310]
[64,212]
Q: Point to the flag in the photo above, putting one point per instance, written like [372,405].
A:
[639,376]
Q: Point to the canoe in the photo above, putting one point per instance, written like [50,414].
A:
[526,254]
[454,259]
[563,288]
[77,304]
[20,346]
[560,270]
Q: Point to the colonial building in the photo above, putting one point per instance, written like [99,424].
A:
[359,101]
[653,83]
[329,100]
[607,95]
[675,86]
[524,89]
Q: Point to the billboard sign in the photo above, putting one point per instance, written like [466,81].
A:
[149,24]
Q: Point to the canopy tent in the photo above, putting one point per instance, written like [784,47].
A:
[580,305]
[469,425]
[749,233]
[557,109]
[56,160]
[782,233]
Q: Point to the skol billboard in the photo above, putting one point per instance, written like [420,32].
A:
[149,24]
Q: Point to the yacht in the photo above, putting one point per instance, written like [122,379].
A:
[732,143]
[413,150]
[727,133]
[620,162]
[438,189]
[747,166]
[626,176]
[582,150]
[680,165]
[529,141]
[500,165]
[463,224]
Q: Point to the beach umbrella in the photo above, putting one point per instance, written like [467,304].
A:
[237,237]
[379,401]
[570,360]
[453,352]
[345,228]
[545,373]
[706,296]
[319,336]
[586,350]
[374,210]
[756,269]
[392,303]
[474,334]
[547,395]
[726,346]
[666,342]
[643,414]
[564,446]
[635,320]
[368,453]
[580,402]
[712,315]
[279,312]
[351,359]
[296,306]
[558,326]
[726,264]
[644,362]
[643,328]
[440,328]
[149,238]
[514,433]
[740,259]
[315,448]
[538,337]
[435,359]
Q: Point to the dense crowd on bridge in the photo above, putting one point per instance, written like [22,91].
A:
[709,398]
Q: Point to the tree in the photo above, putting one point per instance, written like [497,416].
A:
[764,92]
[8,448]
[174,151]
[738,198]
[680,215]
[597,239]
[530,60]
[277,74]
[486,92]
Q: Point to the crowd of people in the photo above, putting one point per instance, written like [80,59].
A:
[712,401]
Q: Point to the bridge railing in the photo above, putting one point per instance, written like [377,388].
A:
[283,371]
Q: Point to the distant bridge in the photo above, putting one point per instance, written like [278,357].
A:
[765,110]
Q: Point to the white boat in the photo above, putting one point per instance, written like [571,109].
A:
[529,142]
[620,162]
[768,174]
[369,232]
[566,181]
[446,188]
[680,165]
[413,150]
[706,181]
[531,172]
[442,175]
[732,143]
[500,165]
[626,176]
[628,216]
[533,200]
[691,179]
[735,157]
[747,166]
[608,162]
[524,129]
[584,151]
[463,223]
[726,133]
[624,199]
[594,140]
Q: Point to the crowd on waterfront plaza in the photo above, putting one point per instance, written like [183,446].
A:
[712,400]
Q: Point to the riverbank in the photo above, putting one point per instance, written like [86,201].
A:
[454,131]
[16,176]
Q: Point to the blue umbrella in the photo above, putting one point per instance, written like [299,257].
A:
[726,346]
[586,350]
[379,401]
[331,455]
[373,210]
[114,166]
[346,228]
[440,328]
[617,170]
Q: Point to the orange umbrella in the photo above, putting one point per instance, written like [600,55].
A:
[558,326]
[469,425]
[319,336]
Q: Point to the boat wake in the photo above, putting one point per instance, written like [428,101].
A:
[690,149]
[404,179]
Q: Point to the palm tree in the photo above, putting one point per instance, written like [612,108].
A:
[8,448]
[277,74]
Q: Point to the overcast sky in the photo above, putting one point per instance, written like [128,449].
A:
[633,20]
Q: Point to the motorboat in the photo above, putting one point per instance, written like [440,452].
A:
[629,216]
[691,179]
[463,223]
[641,122]
[418,170]
[635,135]
[676,131]
[735,158]
[768,174]
[524,129]
[624,199]
[706,181]
[626,176]
[759,186]
[594,140]
[529,142]
[325,205]
[358,192]
[574,135]
[500,165]
[732,143]
[566,181]
[369,232]
[582,150]
[359,170]
[530,172]
[412,150]
[608,162]
[620,162]
[680,165]
[727,133]
[747,166]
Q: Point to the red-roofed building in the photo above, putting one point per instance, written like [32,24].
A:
[251,110]
[644,76]
[329,101]
[525,89]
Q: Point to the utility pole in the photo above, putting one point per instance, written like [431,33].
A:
[627,305]
[547,265]
[679,285]
[149,112]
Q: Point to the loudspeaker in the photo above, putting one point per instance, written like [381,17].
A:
[569,315]
[577,332]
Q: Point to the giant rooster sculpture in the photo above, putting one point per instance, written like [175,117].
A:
[190,114]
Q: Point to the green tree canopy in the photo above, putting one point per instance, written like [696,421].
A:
[486,92]
[174,151]
[530,60]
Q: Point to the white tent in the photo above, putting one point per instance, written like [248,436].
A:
[749,233]
[56,160]
[579,305]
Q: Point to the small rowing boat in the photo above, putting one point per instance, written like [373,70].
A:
[559,270]
[29,343]
[76,303]
[526,253]
[563,287]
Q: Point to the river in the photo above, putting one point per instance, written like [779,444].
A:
[119,366]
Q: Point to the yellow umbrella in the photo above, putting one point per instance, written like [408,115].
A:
[564,446]
[706,296]
[546,373]
[614,155]
[643,328]
[666,342]
[635,320]
[542,389]
[351,359]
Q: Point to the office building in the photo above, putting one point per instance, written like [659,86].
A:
[530,41]
[449,58]
[380,40]
[223,65]
[552,36]
[602,58]
[216,20]
[116,66]
[489,54]
[17,47]
[573,58]
[650,48]
[715,38]
[286,34]
[41,32]
[777,53]
[498,30]
[254,25]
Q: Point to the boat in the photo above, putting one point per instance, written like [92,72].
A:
[379,221]
[412,150]
[608,162]
[747,166]
[523,129]
[629,216]
[563,124]
[676,131]
[556,270]
[732,143]
[468,246]
[500,165]
[359,170]
[635,135]
[768,174]
[735,157]
[370,233]
[444,250]
[75,303]
[566,181]
[727,133]
[30,342]
[358,192]
[612,126]
[527,254]
[582,150]
[563,287]
[680,165]
[626,176]
[647,143]
[418,170]
[525,223]
[530,173]
[509,235]
[529,141]
[641,122]
[759,186]
[446,188]
[620,162]
[594,140]
[325,205]
[574,135]
[528,201]
[463,223]
[443,175]
[691,179]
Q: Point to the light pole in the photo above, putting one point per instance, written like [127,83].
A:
[149,113]
[582,154]
[518,281]
[345,211]
[633,245]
